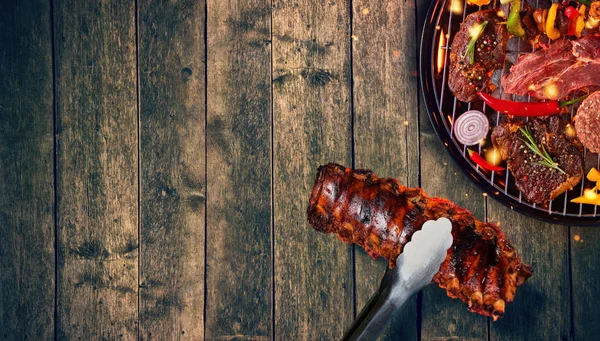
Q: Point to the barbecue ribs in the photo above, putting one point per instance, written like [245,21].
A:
[481,268]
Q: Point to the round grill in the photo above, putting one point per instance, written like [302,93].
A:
[442,22]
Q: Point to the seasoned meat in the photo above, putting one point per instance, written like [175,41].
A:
[481,268]
[567,65]
[587,122]
[539,183]
[466,79]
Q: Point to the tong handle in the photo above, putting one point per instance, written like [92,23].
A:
[377,313]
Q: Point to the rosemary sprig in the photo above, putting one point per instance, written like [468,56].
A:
[471,46]
[532,145]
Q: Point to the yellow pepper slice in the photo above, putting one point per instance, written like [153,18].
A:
[551,31]
[594,175]
[580,21]
[590,195]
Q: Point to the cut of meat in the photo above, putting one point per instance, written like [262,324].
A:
[587,122]
[557,71]
[481,268]
[539,183]
[465,79]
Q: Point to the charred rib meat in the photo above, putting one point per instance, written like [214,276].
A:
[481,268]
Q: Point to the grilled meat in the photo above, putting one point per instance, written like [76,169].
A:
[567,65]
[539,183]
[466,79]
[481,268]
[587,122]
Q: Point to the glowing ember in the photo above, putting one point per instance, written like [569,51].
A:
[590,194]
[569,131]
[492,156]
[456,6]
[441,52]
[551,91]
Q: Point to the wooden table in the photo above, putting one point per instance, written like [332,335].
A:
[156,159]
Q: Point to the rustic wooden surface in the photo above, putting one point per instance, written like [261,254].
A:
[27,263]
[311,124]
[97,170]
[156,159]
[238,249]
[172,169]
[386,122]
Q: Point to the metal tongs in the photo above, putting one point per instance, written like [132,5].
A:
[415,267]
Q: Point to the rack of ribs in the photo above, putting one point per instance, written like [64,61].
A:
[379,214]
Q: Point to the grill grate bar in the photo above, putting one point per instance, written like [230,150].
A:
[441,103]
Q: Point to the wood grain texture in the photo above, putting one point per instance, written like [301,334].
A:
[442,316]
[97,182]
[386,121]
[541,310]
[239,264]
[585,261]
[312,126]
[26,172]
[172,152]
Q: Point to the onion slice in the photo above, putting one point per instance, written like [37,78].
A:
[471,127]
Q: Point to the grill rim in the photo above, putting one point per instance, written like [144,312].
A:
[426,77]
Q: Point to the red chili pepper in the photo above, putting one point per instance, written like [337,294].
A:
[572,14]
[482,163]
[525,108]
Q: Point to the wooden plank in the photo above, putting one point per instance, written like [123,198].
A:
[585,265]
[26,173]
[97,181]
[443,317]
[386,121]
[312,126]
[172,154]
[541,310]
[239,264]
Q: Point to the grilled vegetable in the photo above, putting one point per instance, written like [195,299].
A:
[551,31]
[525,108]
[590,196]
[481,162]
[513,24]
[573,15]
[539,16]
[593,15]
[478,2]
[471,127]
